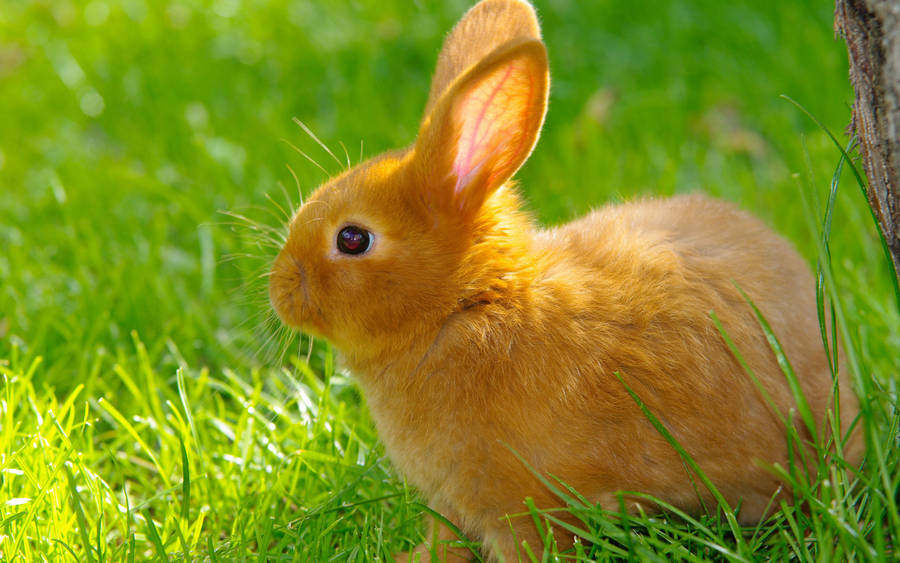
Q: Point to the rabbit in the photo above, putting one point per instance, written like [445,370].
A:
[490,350]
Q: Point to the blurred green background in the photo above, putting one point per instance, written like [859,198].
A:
[127,127]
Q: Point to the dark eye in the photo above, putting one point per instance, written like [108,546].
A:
[354,240]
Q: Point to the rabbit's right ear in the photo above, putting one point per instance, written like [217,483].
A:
[482,128]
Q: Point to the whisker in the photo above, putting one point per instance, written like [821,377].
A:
[269,322]
[250,222]
[259,264]
[309,158]
[287,336]
[309,349]
[231,257]
[346,154]
[263,241]
[274,233]
[276,238]
[253,293]
[259,335]
[258,296]
[253,319]
[268,210]
[278,346]
[287,217]
[272,340]
[316,139]
[266,324]
[360,150]
[299,189]
[313,220]
[259,228]
[276,336]
[258,319]
[320,202]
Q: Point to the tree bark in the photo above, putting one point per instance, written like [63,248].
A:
[871,29]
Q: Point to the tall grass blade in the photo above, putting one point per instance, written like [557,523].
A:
[862,186]
[185,484]
[793,381]
[153,534]
[83,526]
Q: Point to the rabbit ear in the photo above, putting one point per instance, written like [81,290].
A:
[486,26]
[484,126]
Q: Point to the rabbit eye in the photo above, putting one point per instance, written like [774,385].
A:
[354,240]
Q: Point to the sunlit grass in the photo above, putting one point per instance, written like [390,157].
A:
[151,408]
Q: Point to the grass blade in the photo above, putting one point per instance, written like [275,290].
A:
[79,514]
[153,534]
[862,186]
[727,510]
[793,382]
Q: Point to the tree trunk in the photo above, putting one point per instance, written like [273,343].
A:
[871,29]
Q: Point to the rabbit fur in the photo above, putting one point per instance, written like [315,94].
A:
[474,333]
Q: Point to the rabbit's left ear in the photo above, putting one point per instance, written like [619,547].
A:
[485,27]
[483,127]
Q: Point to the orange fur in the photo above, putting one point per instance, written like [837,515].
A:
[473,331]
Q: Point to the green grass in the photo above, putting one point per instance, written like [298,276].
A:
[148,407]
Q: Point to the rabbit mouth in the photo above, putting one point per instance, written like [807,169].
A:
[288,292]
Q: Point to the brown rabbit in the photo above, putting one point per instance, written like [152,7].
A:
[474,333]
